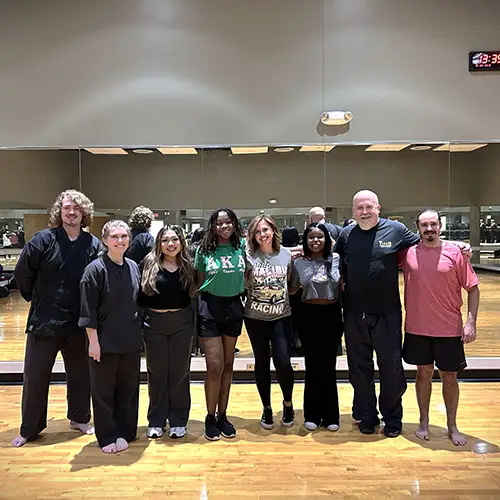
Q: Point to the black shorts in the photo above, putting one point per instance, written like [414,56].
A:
[219,316]
[446,352]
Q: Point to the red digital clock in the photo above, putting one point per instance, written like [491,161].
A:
[487,60]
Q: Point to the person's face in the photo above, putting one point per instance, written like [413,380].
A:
[316,240]
[365,211]
[264,233]
[429,226]
[71,214]
[224,225]
[117,240]
[170,243]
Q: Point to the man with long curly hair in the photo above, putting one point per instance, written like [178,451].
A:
[48,274]
[142,242]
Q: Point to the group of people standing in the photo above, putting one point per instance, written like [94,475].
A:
[348,281]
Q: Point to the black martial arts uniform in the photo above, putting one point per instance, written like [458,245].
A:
[48,275]
[372,317]
[142,243]
[109,305]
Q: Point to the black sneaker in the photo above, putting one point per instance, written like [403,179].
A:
[226,427]
[288,416]
[267,421]
[392,433]
[212,432]
[368,427]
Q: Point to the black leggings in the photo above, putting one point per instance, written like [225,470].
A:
[276,335]
[320,332]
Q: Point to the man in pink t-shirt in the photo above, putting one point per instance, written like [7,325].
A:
[435,272]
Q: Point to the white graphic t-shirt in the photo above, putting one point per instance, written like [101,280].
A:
[267,285]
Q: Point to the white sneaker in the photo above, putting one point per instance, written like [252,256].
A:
[333,427]
[310,426]
[154,432]
[177,432]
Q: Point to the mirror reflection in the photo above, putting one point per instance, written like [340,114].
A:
[183,186]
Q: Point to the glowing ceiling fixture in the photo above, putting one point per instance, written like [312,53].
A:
[387,147]
[317,148]
[107,151]
[249,150]
[178,151]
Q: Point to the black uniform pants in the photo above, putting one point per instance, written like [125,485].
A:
[168,338]
[320,331]
[115,396]
[276,337]
[382,333]
[40,355]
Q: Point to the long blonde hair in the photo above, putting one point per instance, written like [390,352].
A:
[252,244]
[152,264]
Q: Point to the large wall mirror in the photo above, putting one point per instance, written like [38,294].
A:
[184,185]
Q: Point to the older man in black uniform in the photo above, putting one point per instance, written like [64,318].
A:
[48,275]
[372,312]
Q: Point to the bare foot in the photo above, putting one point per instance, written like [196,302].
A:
[121,444]
[19,441]
[111,448]
[83,428]
[457,438]
[422,432]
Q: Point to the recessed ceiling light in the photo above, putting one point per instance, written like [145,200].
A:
[107,151]
[273,200]
[142,151]
[317,148]
[250,150]
[387,147]
[421,147]
[465,148]
[443,147]
[283,149]
[178,151]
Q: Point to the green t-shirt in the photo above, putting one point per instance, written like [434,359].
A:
[224,270]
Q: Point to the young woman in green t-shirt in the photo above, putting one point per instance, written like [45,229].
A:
[220,265]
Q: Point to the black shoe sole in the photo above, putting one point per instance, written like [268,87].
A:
[392,434]
[367,431]
[215,438]
[228,436]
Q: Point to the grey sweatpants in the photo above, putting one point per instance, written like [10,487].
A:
[168,338]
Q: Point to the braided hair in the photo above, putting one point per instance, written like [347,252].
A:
[209,242]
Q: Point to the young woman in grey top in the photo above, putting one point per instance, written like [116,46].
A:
[268,315]
[320,326]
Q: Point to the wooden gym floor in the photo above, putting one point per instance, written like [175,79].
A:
[259,464]
[13,311]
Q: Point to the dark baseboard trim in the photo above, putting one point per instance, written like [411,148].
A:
[486,375]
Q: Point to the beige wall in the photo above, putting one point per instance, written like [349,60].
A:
[214,178]
[33,179]
[124,72]
[217,178]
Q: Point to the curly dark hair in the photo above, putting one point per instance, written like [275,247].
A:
[141,217]
[209,242]
[85,205]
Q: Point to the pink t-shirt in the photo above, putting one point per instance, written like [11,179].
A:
[434,278]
